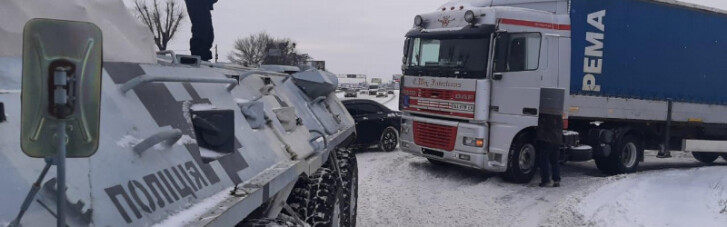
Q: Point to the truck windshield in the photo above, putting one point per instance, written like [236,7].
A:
[455,57]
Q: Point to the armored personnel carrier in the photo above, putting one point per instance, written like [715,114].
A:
[180,142]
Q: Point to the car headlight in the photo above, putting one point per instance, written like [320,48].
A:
[473,142]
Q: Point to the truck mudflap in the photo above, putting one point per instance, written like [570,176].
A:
[448,141]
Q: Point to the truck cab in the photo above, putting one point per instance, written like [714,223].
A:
[473,76]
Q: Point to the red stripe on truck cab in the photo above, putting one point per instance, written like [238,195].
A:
[535,24]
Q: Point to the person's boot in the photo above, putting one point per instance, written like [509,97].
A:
[556,184]
[544,184]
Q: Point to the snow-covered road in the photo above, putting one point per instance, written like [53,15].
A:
[398,189]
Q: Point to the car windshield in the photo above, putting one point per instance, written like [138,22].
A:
[466,56]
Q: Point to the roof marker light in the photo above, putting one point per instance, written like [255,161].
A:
[418,21]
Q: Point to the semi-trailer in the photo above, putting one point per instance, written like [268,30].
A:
[627,76]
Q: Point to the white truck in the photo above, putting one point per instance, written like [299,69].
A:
[627,75]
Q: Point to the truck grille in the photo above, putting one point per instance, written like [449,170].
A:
[435,136]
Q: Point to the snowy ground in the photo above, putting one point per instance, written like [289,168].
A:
[398,189]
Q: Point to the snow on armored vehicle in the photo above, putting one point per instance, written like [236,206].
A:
[180,142]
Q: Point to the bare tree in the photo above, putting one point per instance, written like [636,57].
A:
[251,50]
[260,48]
[163,22]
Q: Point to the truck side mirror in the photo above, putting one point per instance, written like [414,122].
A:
[502,42]
[407,43]
[62,63]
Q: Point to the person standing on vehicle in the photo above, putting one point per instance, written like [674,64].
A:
[550,135]
[202,31]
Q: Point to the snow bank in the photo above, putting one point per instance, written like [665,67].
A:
[693,197]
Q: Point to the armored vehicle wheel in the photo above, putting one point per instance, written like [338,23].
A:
[349,172]
[270,222]
[389,139]
[325,205]
[521,164]
[300,197]
[705,157]
[623,159]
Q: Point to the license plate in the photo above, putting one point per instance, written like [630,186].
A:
[463,107]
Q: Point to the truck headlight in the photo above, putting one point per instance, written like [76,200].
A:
[473,142]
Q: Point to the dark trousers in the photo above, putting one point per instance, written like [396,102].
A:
[549,161]
[203,34]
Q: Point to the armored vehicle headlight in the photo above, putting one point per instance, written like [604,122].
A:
[469,16]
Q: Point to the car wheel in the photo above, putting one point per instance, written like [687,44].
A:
[389,139]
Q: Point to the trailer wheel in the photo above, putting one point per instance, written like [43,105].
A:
[624,159]
[705,157]
[270,222]
[349,171]
[389,139]
[324,206]
[521,164]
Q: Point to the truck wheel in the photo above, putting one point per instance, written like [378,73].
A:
[270,222]
[349,171]
[300,197]
[604,165]
[705,157]
[389,139]
[521,164]
[625,158]
[324,206]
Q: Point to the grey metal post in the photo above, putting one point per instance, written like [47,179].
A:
[665,153]
[61,99]
[31,194]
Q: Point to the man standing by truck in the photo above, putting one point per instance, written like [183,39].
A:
[550,135]
[202,31]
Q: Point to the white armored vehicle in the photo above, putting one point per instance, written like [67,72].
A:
[179,142]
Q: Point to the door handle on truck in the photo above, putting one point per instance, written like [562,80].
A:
[497,76]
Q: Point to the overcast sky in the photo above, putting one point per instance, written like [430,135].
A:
[353,37]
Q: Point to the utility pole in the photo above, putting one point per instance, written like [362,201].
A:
[216,55]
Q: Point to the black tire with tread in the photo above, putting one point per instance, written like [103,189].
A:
[270,222]
[300,197]
[612,164]
[324,192]
[514,173]
[349,171]
[705,157]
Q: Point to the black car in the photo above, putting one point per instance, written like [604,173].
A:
[375,124]
[350,93]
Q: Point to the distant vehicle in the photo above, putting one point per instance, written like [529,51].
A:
[375,124]
[350,93]
[373,89]
[391,92]
[381,93]
[363,92]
